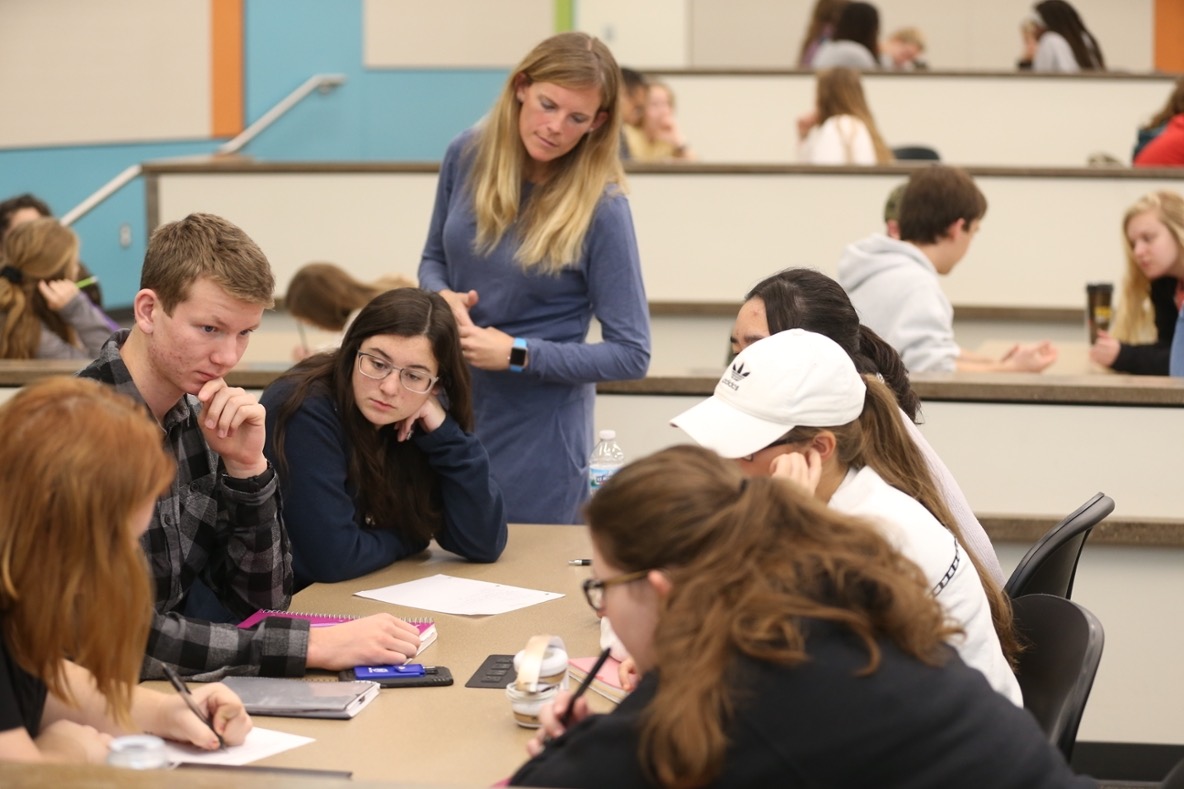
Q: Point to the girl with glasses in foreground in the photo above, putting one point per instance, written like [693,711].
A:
[782,644]
[75,600]
[374,448]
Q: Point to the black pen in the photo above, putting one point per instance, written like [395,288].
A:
[587,683]
[580,562]
[183,689]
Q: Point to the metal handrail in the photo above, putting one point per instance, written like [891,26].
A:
[323,83]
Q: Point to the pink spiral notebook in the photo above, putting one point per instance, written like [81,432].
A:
[426,627]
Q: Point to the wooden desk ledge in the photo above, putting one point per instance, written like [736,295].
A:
[1141,532]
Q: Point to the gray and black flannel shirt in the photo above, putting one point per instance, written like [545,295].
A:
[225,531]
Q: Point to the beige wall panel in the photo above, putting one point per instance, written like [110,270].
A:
[643,36]
[702,237]
[746,33]
[1029,121]
[369,225]
[122,70]
[453,34]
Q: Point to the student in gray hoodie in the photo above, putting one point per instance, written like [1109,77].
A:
[893,282]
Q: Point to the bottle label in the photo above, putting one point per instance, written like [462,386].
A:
[599,476]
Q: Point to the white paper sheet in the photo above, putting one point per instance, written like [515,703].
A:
[260,744]
[450,595]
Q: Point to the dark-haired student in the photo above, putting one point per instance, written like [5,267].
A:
[374,446]
[781,644]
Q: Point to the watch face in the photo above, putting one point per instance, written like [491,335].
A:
[517,356]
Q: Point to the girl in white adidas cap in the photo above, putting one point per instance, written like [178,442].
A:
[793,405]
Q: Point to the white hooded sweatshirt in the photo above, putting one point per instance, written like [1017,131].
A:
[894,288]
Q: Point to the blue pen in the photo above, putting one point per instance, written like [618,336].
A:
[406,670]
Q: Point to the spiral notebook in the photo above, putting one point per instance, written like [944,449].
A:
[426,627]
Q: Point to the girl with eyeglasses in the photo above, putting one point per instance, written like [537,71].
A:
[782,644]
[374,448]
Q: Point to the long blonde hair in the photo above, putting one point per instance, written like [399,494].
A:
[42,249]
[73,581]
[751,562]
[1134,317]
[841,93]
[550,228]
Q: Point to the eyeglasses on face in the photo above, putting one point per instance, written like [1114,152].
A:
[781,442]
[594,587]
[413,380]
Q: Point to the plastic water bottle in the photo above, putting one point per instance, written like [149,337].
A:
[606,460]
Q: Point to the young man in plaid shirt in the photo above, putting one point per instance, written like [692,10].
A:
[203,289]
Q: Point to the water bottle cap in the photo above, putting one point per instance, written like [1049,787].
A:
[608,435]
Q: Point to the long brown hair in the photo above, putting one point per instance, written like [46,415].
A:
[73,582]
[1134,318]
[1173,107]
[325,295]
[550,228]
[822,20]
[750,561]
[396,487]
[42,249]
[879,440]
[803,298]
[841,93]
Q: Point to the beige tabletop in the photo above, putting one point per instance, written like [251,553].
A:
[450,735]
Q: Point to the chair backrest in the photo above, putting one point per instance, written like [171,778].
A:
[1175,778]
[1056,670]
[1050,565]
[916,152]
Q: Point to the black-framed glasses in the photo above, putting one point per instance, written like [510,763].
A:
[594,587]
[781,442]
[413,380]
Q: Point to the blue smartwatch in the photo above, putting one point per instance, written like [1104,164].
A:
[518,355]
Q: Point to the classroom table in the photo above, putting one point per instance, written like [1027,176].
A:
[450,735]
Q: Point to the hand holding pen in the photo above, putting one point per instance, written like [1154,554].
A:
[567,709]
[212,709]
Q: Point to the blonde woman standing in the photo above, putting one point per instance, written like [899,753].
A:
[532,236]
[841,129]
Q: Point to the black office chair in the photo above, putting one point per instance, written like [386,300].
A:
[1050,565]
[921,153]
[1056,670]
[1174,779]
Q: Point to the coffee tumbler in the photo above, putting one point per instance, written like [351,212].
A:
[1097,310]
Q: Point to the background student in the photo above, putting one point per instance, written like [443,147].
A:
[840,130]
[1058,40]
[43,314]
[856,40]
[216,547]
[1172,112]
[327,297]
[74,596]
[1145,318]
[823,19]
[801,298]
[374,447]
[793,404]
[782,644]
[658,138]
[893,283]
[531,236]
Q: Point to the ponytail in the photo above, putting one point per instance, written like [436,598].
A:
[888,449]
[882,358]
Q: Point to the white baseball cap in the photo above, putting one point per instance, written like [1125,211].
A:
[791,379]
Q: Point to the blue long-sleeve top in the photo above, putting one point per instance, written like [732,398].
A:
[330,541]
[537,424]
